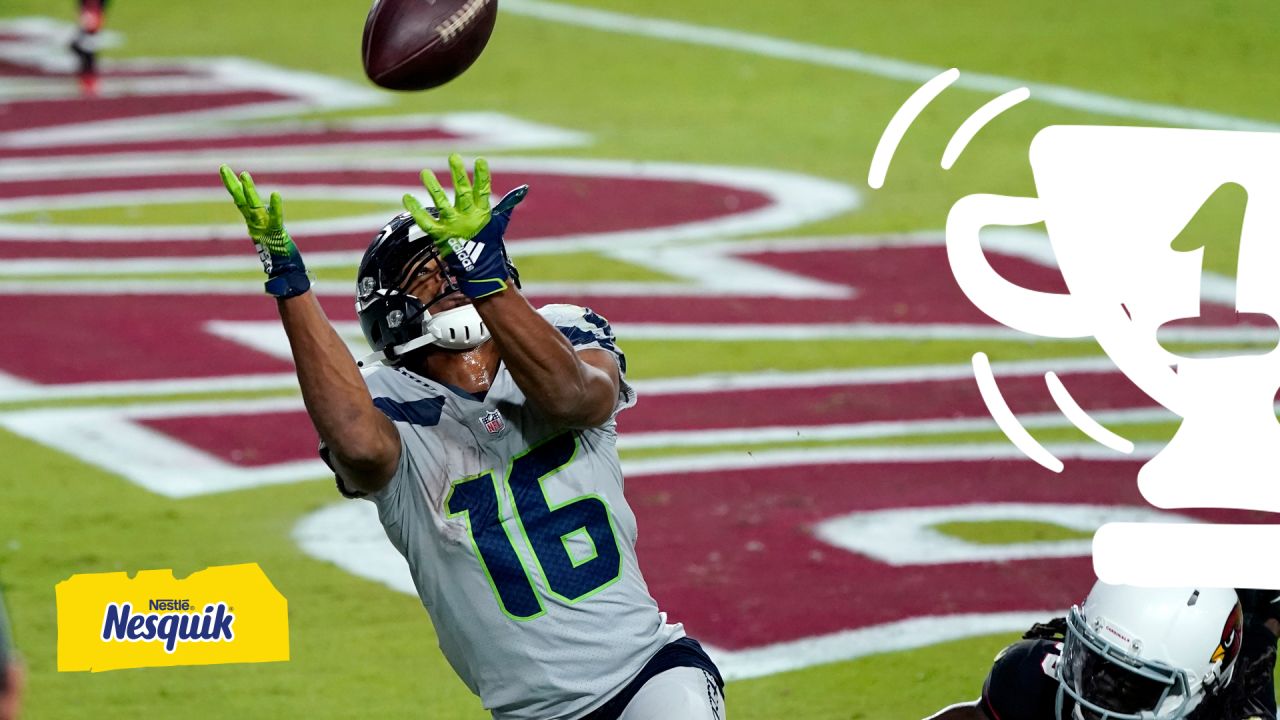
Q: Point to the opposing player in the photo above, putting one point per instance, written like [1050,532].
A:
[11,676]
[1137,654]
[487,441]
[85,44]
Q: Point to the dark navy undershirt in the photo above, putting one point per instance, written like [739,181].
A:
[685,652]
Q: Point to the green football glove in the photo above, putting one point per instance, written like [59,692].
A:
[468,233]
[286,275]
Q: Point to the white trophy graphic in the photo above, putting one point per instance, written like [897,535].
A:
[1113,199]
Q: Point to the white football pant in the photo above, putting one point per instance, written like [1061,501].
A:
[683,693]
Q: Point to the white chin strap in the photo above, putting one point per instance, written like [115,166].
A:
[458,329]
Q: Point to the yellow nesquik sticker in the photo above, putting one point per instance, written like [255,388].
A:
[225,614]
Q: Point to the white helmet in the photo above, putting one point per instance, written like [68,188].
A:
[1148,653]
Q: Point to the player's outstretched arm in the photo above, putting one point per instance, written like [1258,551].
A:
[362,442]
[575,389]
[578,388]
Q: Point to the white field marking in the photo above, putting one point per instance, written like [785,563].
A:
[349,535]
[1078,417]
[24,392]
[303,92]
[628,441]
[38,267]
[39,35]
[475,131]
[648,331]
[800,457]
[53,232]
[874,430]
[14,385]
[267,336]
[794,199]
[38,270]
[146,457]
[68,87]
[716,269]
[874,65]
[493,128]
[908,536]
[911,634]
[901,120]
[112,438]
[897,331]
[1005,418]
[109,130]
[978,120]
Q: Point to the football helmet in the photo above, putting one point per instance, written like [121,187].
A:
[395,322]
[1135,653]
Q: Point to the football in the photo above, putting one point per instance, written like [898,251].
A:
[421,44]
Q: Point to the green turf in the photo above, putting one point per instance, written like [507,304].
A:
[649,358]
[902,685]
[662,358]
[192,213]
[1007,532]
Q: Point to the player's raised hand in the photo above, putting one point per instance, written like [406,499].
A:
[466,216]
[467,232]
[281,261]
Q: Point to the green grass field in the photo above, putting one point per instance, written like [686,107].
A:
[360,650]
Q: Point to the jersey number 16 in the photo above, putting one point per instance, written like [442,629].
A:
[546,528]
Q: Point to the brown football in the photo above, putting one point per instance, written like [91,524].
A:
[421,44]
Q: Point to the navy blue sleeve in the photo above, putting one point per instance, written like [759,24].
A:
[1022,684]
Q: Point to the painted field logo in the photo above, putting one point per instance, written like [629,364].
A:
[227,614]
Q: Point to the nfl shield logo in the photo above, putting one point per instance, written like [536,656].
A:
[493,422]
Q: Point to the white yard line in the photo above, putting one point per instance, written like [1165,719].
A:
[911,634]
[349,536]
[872,64]
[146,388]
[794,199]
[881,430]
[268,337]
[968,452]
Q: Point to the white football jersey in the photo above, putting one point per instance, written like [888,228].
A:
[519,538]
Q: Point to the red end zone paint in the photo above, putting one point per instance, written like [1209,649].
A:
[246,440]
[72,338]
[732,554]
[32,114]
[239,142]
[258,439]
[553,208]
[162,336]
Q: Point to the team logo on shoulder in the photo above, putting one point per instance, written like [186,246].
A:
[493,422]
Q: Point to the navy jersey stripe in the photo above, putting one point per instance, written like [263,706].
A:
[425,412]
[578,336]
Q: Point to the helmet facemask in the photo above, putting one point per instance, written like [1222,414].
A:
[1108,683]
[396,322]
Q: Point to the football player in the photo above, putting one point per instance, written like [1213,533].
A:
[483,430]
[1138,654]
[10,672]
[85,44]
